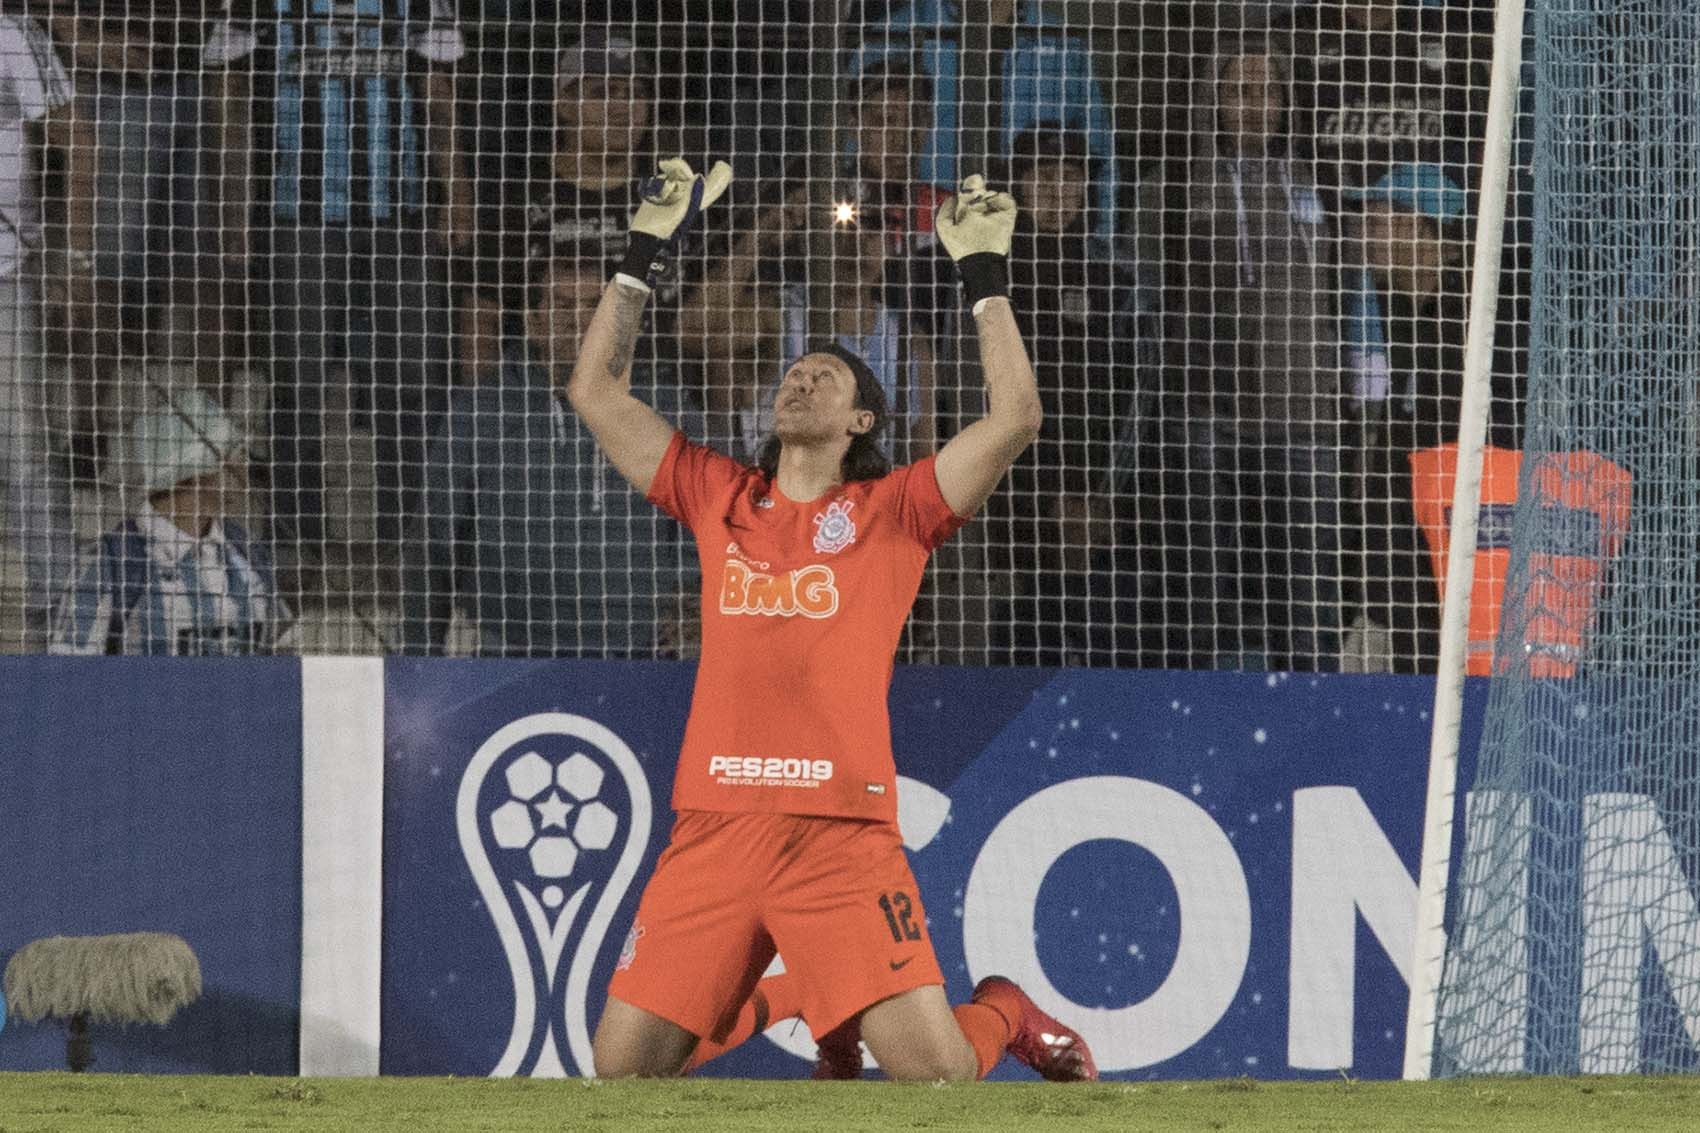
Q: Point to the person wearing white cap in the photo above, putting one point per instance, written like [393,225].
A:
[179,577]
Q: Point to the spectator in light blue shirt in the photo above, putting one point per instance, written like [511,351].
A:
[179,577]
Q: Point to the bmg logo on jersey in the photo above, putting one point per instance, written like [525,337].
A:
[810,591]
[754,771]
[553,816]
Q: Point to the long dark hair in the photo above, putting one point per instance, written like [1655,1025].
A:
[863,460]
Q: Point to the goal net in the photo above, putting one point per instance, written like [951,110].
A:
[1575,938]
[291,284]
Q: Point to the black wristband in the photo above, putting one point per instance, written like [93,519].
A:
[642,250]
[984,274]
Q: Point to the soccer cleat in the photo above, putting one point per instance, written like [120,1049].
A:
[1057,1052]
[838,1054]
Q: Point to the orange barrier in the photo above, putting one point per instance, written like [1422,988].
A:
[1591,496]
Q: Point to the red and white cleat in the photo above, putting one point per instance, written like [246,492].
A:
[1057,1052]
[838,1054]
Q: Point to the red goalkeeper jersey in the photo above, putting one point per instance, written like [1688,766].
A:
[802,605]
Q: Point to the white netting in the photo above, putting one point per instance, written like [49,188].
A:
[1575,930]
[307,242]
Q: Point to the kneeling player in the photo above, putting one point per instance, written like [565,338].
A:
[786,837]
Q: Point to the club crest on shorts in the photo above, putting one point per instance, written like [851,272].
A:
[834,529]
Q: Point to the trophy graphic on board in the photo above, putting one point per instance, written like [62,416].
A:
[553,815]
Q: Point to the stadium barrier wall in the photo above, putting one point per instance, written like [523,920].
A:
[429,866]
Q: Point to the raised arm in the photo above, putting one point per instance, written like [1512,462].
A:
[975,228]
[632,435]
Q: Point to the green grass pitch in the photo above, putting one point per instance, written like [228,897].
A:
[86,1103]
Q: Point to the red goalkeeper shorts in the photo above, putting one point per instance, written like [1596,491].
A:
[835,897]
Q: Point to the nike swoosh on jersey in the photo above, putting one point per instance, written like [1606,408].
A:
[898,965]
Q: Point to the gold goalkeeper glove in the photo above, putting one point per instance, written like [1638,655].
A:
[975,227]
[672,199]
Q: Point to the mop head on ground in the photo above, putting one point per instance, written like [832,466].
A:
[137,977]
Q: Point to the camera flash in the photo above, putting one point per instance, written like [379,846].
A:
[843,213]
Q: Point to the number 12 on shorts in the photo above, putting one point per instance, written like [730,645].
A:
[899,916]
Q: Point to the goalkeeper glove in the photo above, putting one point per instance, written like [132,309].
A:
[975,227]
[671,201]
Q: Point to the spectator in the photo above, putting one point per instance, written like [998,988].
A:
[603,106]
[34,488]
[1052,533]
[357,190]
[509,107]
[733,321]
[890,102]
[871,320]
[891,114]
[1383,82]
[581,191]
[1257,367]
[1049,75]
[140,97]
[180,577]
[525,526]
[892,97]
[751,313]
[1409,232]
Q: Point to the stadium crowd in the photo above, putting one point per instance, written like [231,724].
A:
[291,283]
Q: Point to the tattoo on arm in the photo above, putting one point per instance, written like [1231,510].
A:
[629,314]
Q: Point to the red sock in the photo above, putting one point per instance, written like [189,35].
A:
[987,1029]
[774,998]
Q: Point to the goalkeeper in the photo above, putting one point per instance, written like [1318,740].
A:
[786,794]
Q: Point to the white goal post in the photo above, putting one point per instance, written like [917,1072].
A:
[1429,951]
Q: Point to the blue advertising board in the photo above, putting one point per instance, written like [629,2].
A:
[1208,873]
[164,795]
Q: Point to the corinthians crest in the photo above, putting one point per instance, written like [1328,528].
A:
[553,816]
[834,529]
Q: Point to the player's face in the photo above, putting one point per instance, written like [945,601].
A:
[1054,193]
[816,401]
[1249,99]
[1403,248]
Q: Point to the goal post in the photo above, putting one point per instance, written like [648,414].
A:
[1473,413]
